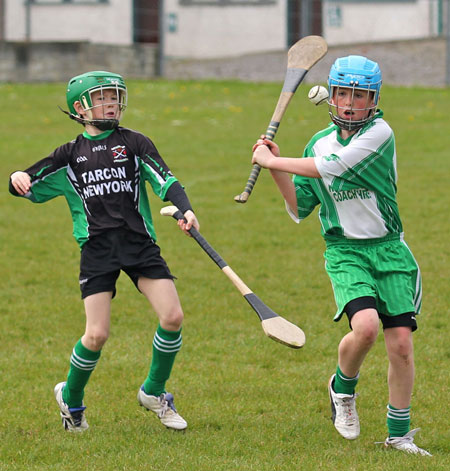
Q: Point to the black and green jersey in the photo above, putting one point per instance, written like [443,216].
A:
[103,180]
[357,191]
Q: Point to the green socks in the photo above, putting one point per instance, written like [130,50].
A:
[343,384]
[166,345]
[82,363]
[398,421]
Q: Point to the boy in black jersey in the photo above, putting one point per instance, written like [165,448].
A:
[102,175]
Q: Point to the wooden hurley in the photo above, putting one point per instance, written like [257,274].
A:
[301,57]
[274,326]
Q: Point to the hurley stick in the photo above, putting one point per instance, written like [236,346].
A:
[301,57]
[274,326]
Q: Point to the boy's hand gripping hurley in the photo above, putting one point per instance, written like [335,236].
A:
[301,57]
[274,326]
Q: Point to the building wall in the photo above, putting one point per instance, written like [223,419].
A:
[346,22]
[101,23]
[218,31]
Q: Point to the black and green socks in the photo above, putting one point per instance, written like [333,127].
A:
[398,421]
[166,345]
[82,363]
[343,384]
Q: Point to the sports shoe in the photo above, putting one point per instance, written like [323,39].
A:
[163,407]
[72,418]
[343,412]
[406,443]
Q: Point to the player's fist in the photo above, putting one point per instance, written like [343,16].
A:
[21,182]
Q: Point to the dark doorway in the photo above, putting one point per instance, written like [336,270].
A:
[146,21]
[304,18]
[2,20]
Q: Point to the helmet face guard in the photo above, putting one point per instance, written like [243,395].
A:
[355,73]
[82,87]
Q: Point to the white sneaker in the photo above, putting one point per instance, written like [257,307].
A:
[164,408]
[406,443]
[72,418]
[343,412]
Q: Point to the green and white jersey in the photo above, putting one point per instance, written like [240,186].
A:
[357,191]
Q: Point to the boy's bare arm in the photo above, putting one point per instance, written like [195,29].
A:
[286,187]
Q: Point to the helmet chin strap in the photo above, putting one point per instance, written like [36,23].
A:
[102,124]
[346,124]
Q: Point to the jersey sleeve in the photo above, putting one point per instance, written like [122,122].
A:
[306,198]
[364,162]
[49,176]
[154,169]
[178,197]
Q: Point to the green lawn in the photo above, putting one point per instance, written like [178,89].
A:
[251,404]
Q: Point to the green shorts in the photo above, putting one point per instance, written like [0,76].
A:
[384,269]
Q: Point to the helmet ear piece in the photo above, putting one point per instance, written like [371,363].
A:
[84,103]
[86,106]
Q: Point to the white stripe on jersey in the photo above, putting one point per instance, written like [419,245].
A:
[418,291]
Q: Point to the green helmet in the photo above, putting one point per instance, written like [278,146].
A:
[81,87]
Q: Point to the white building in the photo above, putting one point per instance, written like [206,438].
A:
[218,28]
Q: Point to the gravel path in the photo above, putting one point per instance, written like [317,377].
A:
[408,63]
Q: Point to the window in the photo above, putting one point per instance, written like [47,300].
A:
[371,1]
[221,3]
[53,2]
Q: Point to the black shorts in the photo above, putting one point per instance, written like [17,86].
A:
[408,319]
[105,255]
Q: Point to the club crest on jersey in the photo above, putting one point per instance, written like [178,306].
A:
[119,153]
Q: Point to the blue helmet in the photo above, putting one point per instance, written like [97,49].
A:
[357,73]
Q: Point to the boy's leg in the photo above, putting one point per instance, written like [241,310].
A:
[167,341]
[399,347]
[87,351]
[83,360]
[166,344]
[163,297]
[353,348]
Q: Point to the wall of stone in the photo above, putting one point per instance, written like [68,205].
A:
[422,62]
[59,61]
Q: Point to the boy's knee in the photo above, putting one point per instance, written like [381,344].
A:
[368,335]
[173,319]
[95,339]
[365,325]
[402,346]
[367,331]
[399,342]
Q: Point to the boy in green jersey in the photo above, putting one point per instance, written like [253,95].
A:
[349,170]
[102,174]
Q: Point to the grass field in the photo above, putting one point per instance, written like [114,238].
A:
[251,404]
